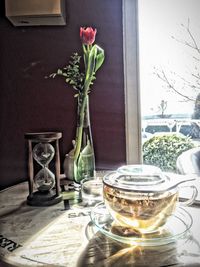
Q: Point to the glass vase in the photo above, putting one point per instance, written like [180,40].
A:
[84,164]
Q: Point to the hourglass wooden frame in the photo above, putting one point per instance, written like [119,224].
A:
[35,198]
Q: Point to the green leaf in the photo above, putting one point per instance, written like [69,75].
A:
[59,71]
[99,58]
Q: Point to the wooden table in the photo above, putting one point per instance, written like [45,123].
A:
[63,235]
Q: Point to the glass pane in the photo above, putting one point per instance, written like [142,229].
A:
[169,49]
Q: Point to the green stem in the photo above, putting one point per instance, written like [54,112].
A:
[81,119]
[88,80]
[84,55]
[80,128]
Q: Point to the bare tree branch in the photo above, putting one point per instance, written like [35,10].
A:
[193,44]
[162,76]
[191,83]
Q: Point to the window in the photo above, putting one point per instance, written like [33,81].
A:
[163,43]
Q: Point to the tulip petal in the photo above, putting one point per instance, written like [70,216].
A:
[87,35]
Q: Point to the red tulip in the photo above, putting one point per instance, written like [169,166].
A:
[87,35]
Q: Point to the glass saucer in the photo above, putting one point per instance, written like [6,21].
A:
[176,228]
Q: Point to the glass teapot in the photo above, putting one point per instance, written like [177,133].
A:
[142,196]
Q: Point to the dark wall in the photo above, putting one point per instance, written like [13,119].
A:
[29,102]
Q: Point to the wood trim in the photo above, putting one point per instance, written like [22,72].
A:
[131,82]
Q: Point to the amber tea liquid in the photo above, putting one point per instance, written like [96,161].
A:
[145,213]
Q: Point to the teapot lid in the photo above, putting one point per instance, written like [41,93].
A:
[142,178]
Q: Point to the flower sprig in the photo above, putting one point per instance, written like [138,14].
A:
[72,73]
[93,57]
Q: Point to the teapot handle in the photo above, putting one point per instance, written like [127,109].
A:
[191,200]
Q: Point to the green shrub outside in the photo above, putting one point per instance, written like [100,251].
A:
[163,151]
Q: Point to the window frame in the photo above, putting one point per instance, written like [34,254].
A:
[131,82]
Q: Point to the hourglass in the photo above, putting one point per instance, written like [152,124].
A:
[44,187]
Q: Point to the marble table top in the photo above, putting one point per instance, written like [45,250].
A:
[62,235]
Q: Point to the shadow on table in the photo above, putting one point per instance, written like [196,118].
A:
[103,251]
